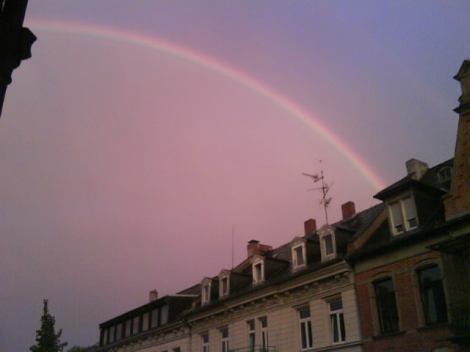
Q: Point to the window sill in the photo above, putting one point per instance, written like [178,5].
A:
[388,335]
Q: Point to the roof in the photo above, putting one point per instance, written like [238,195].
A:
[430,182]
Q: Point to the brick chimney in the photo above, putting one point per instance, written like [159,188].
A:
[348,209]
[153,295]
[416,168]
[254,247]
[310,226]
[457,202]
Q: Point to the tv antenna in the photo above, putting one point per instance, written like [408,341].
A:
[325,188]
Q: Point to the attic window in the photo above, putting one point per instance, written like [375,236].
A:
[224,289]
[327,243]
[444,174]
[328,240]
[403,215]
[206,293]
[258,272]
[298,256]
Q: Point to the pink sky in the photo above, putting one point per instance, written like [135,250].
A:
[125,168]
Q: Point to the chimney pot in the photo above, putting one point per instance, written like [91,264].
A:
[310,226]
[416,168]
[153,295]
[348,209]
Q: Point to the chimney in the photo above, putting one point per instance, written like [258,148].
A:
[348,209]
[254,247]
[153,295]
[310,226]
[416,168]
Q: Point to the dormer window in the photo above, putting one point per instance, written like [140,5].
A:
[258,271]
[403,215]
[298,256]
[327,243]
[206,291]
[224,286]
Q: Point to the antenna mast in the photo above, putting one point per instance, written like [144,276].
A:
[325,188]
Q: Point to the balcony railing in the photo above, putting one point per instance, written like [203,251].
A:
[254,349]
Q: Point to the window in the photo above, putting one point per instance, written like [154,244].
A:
[403,215]
[298,256]
[145,321]
[251,335]
[128,328]
[176,349]
[111,333]
[119,331]
[338,332]
[306,336]
[154,322]
[206,292]
[258,272]
[164,315]
[224,286]
[386,306]
[432,295]
[444,174]
[328,240]
[105,336]
[263,321]
[205,342]
[136,325]
[224,339]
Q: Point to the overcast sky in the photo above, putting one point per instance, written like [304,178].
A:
[125,167]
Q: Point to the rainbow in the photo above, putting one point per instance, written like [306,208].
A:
[212,64]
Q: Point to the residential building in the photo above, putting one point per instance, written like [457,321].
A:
[412,265]
[394,277]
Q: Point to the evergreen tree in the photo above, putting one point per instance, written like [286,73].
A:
[47,340]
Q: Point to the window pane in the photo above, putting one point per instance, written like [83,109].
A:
[154,318]
[342,327]
[328,244]
[299,256]
[119,331]
[304,312]
[386,306]
[164,318]
[303,333]
[336,304]
[410,212]
[334,327]
[309,334]
[397,216]
[432,295]
[136,327]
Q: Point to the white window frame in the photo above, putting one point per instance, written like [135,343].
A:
[224,341]
[323,234]
[305,327]
[206,288]
[339,314]
[295,261]
[406,223]
[223,293]
[205,344]
[264,332]
[258,263]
